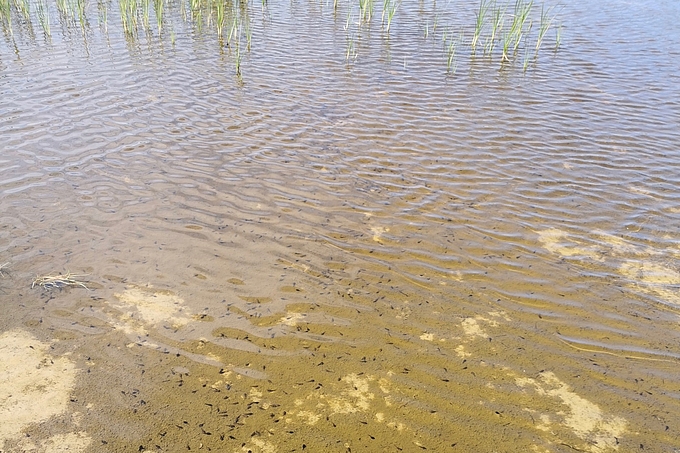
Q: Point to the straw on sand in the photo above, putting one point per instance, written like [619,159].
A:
[59,281]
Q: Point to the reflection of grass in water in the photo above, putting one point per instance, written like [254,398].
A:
[103,14]
[527,57]
[237,52]
[351,53]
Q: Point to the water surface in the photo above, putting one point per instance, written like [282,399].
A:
[332,254]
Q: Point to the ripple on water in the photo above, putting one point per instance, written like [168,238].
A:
[372,254]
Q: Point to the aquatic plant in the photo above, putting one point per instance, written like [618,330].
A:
[43,12]
[80,8]
[145,14]
[498,18]
[451,65]
[62,7]
[505,26]
[5,11]
[349,19]
[365,10]
[546,21]
[23,7]
[219,13]
[6,15]
[128,16]
[502,27]
[158,10]
[513,37]
[234,28]
[522,11]
[389,9]
[479,23]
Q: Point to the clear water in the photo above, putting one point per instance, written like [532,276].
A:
[346,254]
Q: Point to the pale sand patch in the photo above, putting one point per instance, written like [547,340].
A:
[403,313]
[155,307]
[499,314]
[61,443]
[462,353]
[310,418]
[356,398]
[620,246]
[651,273]
[378,232]
[647,267]
[427,337]
[292,319]
[654,278]
[558,241]
[258,446]
[351,395]
[34,387]
[597,429]
[472,328]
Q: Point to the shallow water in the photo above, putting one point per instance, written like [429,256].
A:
[333,255]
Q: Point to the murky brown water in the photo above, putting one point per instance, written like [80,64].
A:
[341,256]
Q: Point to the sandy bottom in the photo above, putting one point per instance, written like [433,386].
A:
[139,394]
[140,367]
